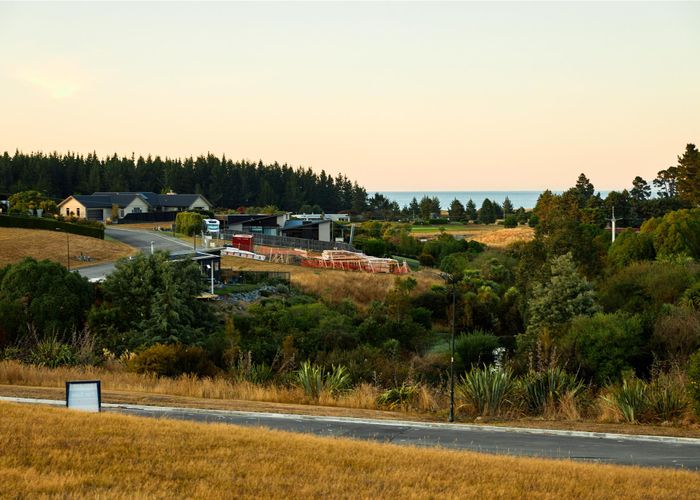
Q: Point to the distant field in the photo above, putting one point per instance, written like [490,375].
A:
[361,288]
[448,228]
[491,235]
[58,452]
[15,244]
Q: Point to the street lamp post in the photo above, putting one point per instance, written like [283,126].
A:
[452,356]
[211,267]
[451,279]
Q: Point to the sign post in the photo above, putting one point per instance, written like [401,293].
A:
[85,395]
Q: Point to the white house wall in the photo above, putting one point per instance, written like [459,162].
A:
[199,204]
[137,205]
[73,207]
[324,231]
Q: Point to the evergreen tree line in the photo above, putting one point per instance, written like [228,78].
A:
[225,183]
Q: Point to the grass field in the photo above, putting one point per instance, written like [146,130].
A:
[15,244]
[58,452]
[23,380]
[361,288]
[491,235]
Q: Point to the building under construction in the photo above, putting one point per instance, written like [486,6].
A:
[352,261]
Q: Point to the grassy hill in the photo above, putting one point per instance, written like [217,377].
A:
[57,452]
[15,244]
[361,288]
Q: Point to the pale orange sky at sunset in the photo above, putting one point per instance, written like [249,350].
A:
[398,96]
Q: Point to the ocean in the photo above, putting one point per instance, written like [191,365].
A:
[525,199]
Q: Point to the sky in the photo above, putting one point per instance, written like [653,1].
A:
[397,96]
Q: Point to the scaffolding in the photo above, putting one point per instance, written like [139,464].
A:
[353,261]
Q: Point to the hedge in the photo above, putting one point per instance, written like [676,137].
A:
[51,225]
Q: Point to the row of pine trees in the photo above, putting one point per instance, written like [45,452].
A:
[222,181]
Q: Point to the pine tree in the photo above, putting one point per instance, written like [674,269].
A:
[507,206]
[640,189]
[470,210]
[487,212]
[689,175]
[456,210]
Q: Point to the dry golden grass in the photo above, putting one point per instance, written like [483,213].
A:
[361,288]
[491,235]
[503,237]
[16,244]
[21,380]
[14,373]
[58,452]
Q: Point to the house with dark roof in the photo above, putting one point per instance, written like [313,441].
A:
[257,223]
[101,206]
[280,225]
[320,230]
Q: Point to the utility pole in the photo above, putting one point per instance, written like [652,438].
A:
[613,220]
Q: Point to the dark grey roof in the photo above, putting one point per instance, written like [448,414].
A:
[92,201]
[243,218]
[179,200]
[160,200]
[293,224]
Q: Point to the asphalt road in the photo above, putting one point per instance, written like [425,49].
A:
[142,240]
[584,446]
[137,239]
[648,451]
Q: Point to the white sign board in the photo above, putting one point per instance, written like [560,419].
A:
[84,395]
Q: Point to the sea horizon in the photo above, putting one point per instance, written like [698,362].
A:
[519,198]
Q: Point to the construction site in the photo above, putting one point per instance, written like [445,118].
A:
[244,246]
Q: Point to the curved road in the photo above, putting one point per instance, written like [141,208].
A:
[651,451]
[138,239]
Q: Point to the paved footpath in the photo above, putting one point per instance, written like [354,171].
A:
[652,451]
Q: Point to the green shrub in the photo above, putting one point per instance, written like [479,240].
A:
[189,223]
[667,400]
[544,390]
[398,397]
[631,247]
[630,399]
[194,360]
[314,379]
[375,247]
[605,345]
[487,390]
[159,359]
[88,228]
[426,259]
[510,221]
[475,348]
[637,401]
[52,353]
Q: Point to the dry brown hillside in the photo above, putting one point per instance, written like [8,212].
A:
[15,244]
[361,288]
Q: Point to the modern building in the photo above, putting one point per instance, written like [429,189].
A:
[317,217]
[101,206]
[280,225]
